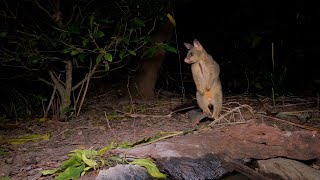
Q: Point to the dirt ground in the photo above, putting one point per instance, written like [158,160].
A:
[103,120]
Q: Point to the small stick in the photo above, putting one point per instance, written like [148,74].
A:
[233,110]
[291,123]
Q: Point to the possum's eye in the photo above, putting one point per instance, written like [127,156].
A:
[191,54]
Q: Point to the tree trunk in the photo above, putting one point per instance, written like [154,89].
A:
[66,97]
[64,90]
[147,74]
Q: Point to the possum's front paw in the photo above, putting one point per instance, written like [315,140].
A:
[208,88]
[201,92]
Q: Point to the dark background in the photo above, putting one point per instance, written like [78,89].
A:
[224,27]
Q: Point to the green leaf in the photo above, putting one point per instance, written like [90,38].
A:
[138,22]
[72,172]
[98,34]
[98,49]
[81,57]
[170,48]
[121,54]
[89,162]
[108,57]
[99,57]
[73,161]
[171,19]
[125,144]
[74,52]
[105,149]
[67,50]
[132,52]
[49,171]
[85,170]
[125,40]
[151,167]
[85,42]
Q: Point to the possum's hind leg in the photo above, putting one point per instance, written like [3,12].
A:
[204,103]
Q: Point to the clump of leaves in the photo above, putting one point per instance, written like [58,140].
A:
[83,160]
[80,162]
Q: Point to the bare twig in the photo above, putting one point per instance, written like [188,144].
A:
[297,112]
[291,123]
[296,104]
[232,111]
[106,117]
[91,72]
[42,8]
[56,82]
[78,97]
[85,90]
[50,102]
[13,16]
[74,7]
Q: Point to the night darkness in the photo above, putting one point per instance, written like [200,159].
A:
[224,26]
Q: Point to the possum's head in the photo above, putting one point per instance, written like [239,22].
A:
[195,53]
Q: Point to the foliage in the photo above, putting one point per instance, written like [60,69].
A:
[39,38]
[79,163]
[83,160]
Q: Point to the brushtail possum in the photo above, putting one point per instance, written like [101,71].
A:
[205,72]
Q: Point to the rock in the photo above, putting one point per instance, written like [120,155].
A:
[208,167]
[287,169]
[124,172]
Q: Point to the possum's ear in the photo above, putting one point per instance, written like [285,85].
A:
[197,44]
[188,45]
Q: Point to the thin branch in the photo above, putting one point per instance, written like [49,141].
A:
[291,123]
[56,83]
[74,7]
[78,97]
[85,79]
[106,117]
[85,90]
[28,34]
[12,15]
[232,111]
[42,8]
[51,100]
[45,81]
